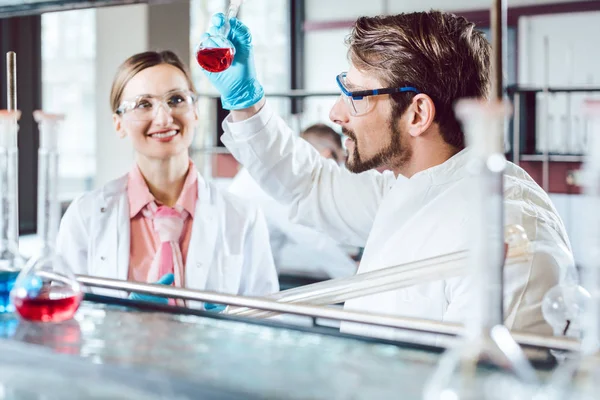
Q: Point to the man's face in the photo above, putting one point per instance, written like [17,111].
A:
[375,138]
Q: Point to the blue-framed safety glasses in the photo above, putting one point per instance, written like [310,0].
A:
[358,100]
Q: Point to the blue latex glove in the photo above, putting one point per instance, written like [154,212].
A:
[237,85]
[214,307]
[166,279]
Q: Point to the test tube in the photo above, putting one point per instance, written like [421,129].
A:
[11,260]
[486,340]
[46,289]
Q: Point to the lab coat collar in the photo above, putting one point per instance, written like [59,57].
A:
[450,170]
[116,232]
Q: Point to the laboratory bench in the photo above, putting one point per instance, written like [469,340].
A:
[121,349]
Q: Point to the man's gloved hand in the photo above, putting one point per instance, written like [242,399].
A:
[166,279]
[237,85]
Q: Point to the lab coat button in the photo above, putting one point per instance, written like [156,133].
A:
[103,209]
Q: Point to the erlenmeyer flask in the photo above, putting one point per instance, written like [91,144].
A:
[487,363]
[215,53]
[11,261]
[577,379]
[46,290]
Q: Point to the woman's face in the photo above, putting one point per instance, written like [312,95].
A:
[158,112]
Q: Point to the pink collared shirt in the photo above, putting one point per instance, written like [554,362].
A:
[144,242]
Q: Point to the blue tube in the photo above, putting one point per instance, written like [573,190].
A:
[7,281]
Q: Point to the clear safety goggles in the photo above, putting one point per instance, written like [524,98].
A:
[357,101]
[145,107]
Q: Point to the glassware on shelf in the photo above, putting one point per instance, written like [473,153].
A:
[46,289]
[11,260]
[578,377]
[487,363]
[215,53]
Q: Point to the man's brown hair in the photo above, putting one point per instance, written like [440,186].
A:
[440,54]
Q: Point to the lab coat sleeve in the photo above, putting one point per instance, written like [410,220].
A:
[524,287]
[260,277]
[525,283]
[319,192]
[72,240]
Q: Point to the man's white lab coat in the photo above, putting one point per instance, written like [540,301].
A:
[229,249]
[297,249]
[402,220]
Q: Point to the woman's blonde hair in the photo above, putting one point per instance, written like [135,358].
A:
[139,62]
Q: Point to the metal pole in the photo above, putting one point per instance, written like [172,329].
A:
[517,129]
[11,105]
[11,80]
[497,45]
[416,324]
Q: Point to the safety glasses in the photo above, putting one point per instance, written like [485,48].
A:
[145,107]
[358,100]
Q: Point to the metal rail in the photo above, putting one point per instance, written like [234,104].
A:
[406,323]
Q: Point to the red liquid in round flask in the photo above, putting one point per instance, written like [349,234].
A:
[215,59]
[215,52]
[48,309]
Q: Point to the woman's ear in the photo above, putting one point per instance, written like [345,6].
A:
[421,114]
[118,124]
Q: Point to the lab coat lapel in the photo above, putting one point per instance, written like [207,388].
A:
[109,257]
[205,230]
[123,238]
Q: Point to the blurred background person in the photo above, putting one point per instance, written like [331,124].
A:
[299,250]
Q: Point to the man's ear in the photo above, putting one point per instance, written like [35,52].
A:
[118,124]
[421,114]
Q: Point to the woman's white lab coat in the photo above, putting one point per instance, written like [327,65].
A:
[229,249]
[399,220]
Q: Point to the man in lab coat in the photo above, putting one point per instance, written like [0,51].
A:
[406,72]
[299,250]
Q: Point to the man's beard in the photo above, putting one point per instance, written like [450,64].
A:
[393,155]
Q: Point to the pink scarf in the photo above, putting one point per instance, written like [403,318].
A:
[168,223]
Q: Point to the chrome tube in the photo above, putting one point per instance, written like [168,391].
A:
[406,323]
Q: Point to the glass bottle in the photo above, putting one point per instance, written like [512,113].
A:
[46,290]
[11,261]
[487,363]
[578,377]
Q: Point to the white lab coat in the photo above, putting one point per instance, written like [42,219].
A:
[297,249]
[229,249]
[403,220]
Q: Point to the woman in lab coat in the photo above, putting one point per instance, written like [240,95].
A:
[162,222]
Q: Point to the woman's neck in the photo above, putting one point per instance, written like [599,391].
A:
[165,178]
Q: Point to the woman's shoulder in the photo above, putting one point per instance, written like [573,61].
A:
[100,197]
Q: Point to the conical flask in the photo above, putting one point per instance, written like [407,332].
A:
[487,363]
[46,290]
[11,261]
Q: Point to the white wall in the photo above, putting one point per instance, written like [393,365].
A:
[121,32]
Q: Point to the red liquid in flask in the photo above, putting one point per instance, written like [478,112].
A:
[47,310]
[215,59]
